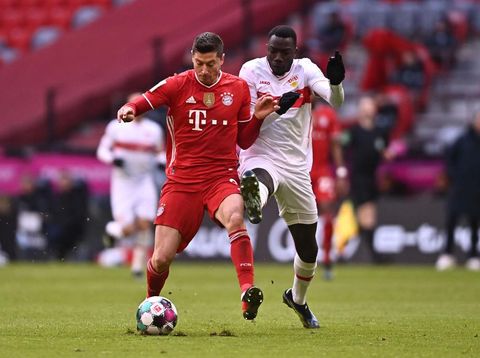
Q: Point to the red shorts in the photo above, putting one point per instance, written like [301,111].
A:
[182,206]
[323,183]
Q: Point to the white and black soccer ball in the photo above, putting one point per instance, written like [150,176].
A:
[156,315]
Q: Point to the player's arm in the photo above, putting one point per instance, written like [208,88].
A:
[330,89]
[336,75]
[155,97]
[105,147]
[249,125]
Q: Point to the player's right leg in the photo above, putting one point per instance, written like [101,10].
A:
[142,245]
[122,200]
[179,216]
[256,186]
[167,242]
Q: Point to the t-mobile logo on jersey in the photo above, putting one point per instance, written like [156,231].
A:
[198,118]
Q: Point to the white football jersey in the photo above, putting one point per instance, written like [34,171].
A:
[285,139]
[138,143]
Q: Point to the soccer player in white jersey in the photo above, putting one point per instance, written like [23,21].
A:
[279,161]
[135,151]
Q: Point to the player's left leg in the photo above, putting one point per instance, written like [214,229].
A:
[143,242]
[297,206]
[256,186]
[304,266]
[230,215]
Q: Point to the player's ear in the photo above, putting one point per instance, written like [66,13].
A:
[222,59]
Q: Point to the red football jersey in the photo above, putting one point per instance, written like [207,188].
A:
[325,127]
[202,123]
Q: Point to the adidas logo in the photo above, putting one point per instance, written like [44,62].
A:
[191,100]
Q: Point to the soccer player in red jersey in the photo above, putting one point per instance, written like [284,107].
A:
[326,146]
[209,114]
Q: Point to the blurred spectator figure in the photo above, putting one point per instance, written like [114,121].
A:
[34,205]
[332,35]
[387,113]
[8,218]
[442,44]
[367,144]
[327,183]
[410,72]
[135,150]
[69,215]
[463,170]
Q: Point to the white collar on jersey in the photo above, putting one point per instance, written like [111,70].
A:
[285,74]
[204,85]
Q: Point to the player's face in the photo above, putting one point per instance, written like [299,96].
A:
[207,66]
[280,54]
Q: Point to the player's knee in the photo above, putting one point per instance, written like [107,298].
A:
[234,222]
[309,252]
[161,261]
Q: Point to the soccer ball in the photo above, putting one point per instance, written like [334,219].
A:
[156,315]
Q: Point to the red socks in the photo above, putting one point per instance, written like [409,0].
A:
[241,253]
[155,280]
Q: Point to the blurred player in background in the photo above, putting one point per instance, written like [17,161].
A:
[209,114]
[135,152]
[463,170]
[327,146]
[279,162]
[368,144]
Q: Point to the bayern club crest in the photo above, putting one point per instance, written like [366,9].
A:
[227,98]
[161,209]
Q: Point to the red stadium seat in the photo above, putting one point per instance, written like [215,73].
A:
[105,4]
[13,18]
[60,17]
[28,4]
[19,38]
[55,3]
[35,17]
[6,4]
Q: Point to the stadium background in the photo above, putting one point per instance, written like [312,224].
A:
[65,66]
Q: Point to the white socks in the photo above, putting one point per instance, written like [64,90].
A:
[144,239]
[304,272]
[114,229]
[263,193]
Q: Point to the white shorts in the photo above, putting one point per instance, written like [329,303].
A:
[133,199]
[292,189]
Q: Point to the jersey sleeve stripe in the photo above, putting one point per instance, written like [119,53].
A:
[171,130]
[150,103]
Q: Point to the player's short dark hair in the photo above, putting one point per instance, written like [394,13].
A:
[208,42]
[283,31]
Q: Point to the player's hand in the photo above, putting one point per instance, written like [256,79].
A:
[286,101]
[118,162]
[125,114]
[341,187]
[335,69]
[265,105]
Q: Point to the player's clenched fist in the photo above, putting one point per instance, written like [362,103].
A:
[126,114]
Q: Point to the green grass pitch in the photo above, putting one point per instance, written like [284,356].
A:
[69,310]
